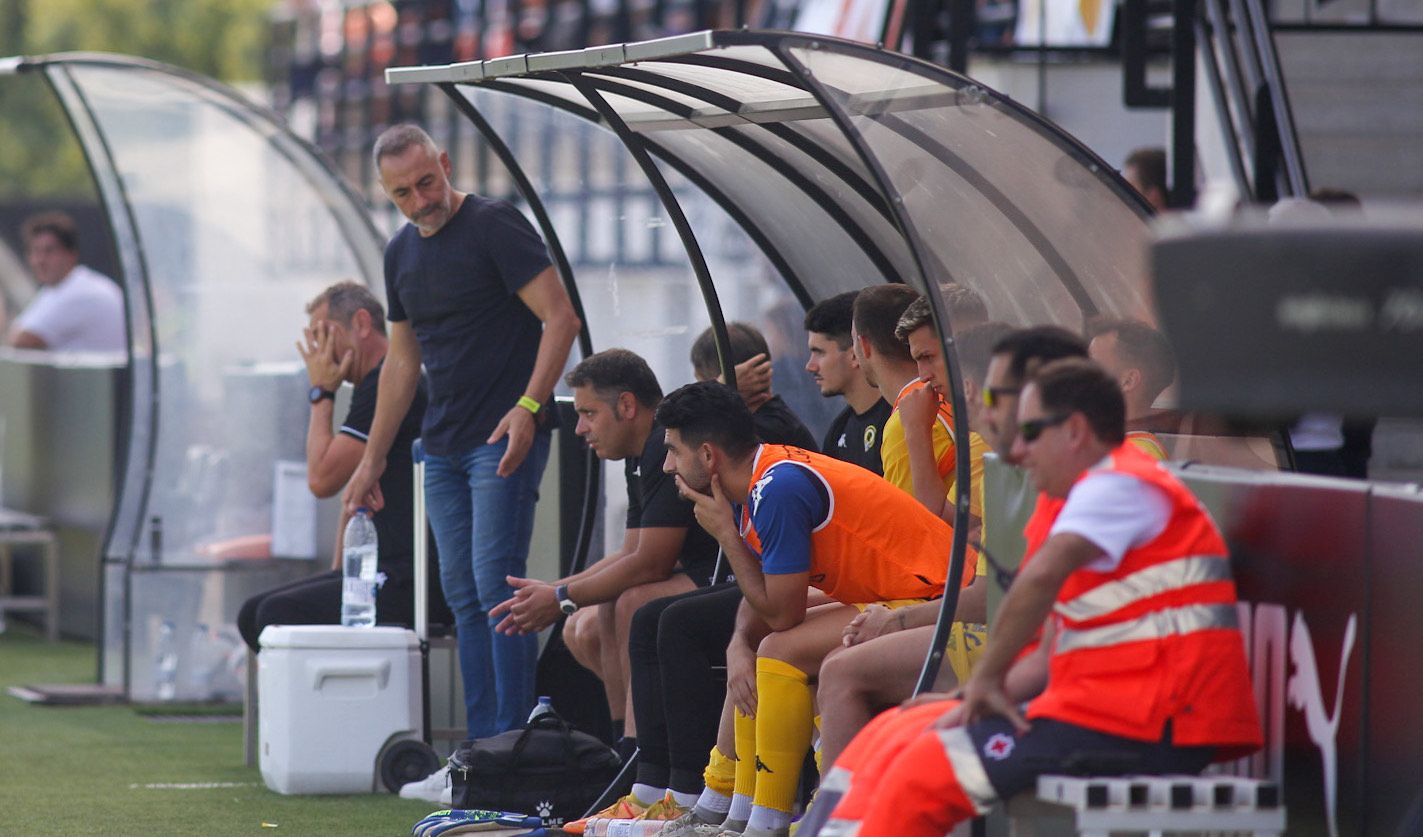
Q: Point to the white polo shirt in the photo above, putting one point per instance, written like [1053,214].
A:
[83,312]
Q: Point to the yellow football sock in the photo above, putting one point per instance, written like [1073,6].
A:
[745,754]
[720,775]
[783,727]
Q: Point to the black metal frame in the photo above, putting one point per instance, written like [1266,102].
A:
[959,548]
[635,146]
[565,272]
[593,82]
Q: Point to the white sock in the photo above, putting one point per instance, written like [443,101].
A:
[768,819]
[646,795]
[740,810]
[687,800]
[713,801]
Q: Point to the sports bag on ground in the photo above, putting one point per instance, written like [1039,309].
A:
[548,769]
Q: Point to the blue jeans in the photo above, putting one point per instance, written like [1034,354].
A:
[482,525]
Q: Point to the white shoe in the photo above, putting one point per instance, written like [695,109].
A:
[433,788]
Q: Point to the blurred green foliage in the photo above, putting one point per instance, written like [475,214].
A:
[41,162]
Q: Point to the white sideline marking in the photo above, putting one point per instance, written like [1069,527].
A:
[192,785]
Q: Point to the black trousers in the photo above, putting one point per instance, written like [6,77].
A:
[674,645]
[317,601]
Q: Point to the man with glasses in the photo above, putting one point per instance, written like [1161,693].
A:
[1116,651]
[885,650]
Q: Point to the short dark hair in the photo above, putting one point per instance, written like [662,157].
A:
[975,347]
[708,411]
[57,224]
[1143,347]
[1077,385]
[833,317]
[746,342]
[1032,347]
[1150,164]
[877,312]
[344,299]
[397,139]
[612,372]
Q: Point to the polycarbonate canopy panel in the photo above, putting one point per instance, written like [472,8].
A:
[238,226]
[225,225]
[852,165]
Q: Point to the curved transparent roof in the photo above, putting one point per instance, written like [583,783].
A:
[856,166]
[225,225]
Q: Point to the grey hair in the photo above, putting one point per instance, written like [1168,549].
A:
[397,139]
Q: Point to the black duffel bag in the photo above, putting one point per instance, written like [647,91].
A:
[548,769]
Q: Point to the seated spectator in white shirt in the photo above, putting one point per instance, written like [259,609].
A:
[77,309]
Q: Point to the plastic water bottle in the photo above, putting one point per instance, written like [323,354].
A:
[624,828]
[358,572]
[165,663]
[544,707]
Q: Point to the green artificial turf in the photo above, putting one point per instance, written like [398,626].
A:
[111,771]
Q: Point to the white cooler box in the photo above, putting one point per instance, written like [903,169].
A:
[333,699]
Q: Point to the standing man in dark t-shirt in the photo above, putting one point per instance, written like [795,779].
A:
[346,342]
[854,435]
[473,296]
[664,551]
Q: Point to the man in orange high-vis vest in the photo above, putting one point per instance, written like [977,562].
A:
[1119,632]
[807,520]
[884,651]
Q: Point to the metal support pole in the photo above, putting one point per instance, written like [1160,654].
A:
[565,271]
[1182,193]
[917,249]
[635,146]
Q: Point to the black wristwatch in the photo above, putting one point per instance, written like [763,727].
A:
[565,604]
[316,394]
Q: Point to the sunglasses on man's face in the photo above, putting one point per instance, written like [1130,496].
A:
[993,396]
[1031,429]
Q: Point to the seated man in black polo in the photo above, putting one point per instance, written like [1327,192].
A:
[346,341]
[664,551]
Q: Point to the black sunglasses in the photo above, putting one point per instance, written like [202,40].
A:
[992,394]
[1033,428]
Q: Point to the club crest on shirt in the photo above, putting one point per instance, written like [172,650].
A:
[756,491]
[870,433]
[999,746]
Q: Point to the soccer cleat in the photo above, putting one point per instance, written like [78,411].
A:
[765,832]
[665,808]
[433,788]
[483,823]
[690,825]
[627,808]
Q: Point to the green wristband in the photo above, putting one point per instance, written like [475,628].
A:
[529,404]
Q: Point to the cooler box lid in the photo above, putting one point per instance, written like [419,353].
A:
[335,636]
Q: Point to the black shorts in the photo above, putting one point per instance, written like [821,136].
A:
[1014,762]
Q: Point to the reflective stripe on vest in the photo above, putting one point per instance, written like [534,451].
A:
[1144,584]
[968,769]
[1157,624]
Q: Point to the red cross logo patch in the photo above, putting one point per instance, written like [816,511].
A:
[999,746]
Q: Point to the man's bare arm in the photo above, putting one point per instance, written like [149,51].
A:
[27,340]
[545,296]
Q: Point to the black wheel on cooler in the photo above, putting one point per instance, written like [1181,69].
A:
[405,761]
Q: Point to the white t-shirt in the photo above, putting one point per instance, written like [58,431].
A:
[84,312]
[1116,512]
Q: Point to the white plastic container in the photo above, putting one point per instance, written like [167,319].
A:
[332,699]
